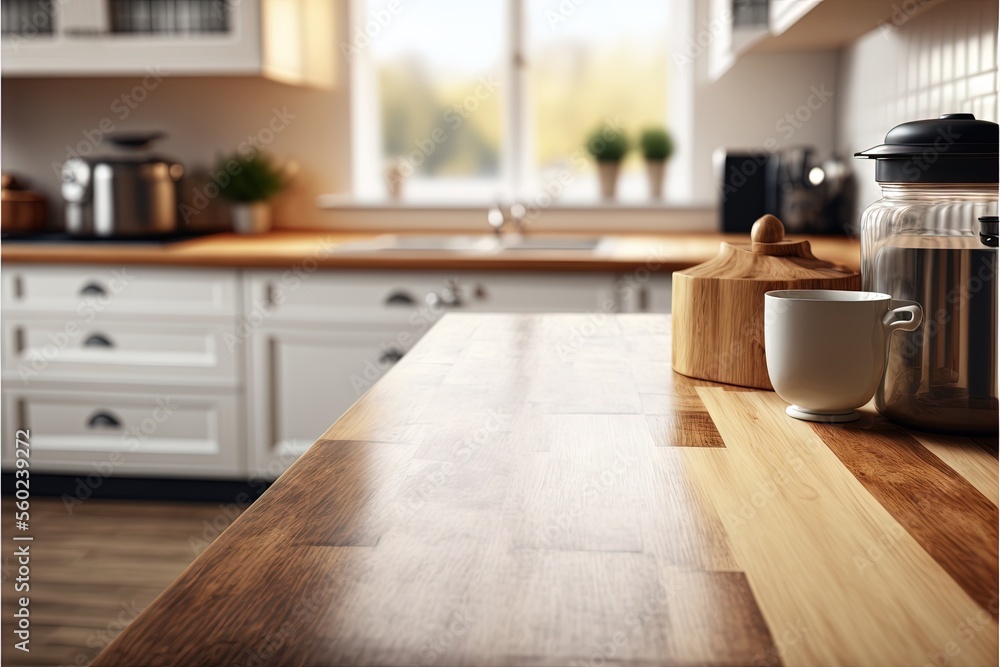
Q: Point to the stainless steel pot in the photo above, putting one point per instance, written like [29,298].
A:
[132,193]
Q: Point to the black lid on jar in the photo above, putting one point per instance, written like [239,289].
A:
[955,148]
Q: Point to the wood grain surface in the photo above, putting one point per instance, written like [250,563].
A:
[516,493]
[284,249]
[718,306]
[95,564]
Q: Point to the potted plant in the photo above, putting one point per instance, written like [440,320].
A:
[253,181]
[608,147]
[657,147]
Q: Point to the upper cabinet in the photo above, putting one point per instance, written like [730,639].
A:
[744,27]
[288,40]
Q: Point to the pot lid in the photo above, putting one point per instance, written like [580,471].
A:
[769,257]
[134,140]
[955,148]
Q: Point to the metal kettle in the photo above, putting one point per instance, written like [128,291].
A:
[130,193]
[924,242]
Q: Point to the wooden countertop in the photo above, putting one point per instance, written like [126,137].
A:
[544,490]
[664,252]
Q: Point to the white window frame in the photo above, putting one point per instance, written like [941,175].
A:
[366,149]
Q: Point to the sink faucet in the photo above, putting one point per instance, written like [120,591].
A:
[499,216]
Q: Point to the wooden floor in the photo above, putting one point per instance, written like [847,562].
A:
[94,569]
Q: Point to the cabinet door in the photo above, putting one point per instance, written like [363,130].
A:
[150,353]
[118,37]
[96,435]
[303,378]
[386,298]
[644,292]
[83,294]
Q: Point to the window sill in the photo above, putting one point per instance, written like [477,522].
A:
[345,202]
[348,212]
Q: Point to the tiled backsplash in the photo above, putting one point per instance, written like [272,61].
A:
[917,65]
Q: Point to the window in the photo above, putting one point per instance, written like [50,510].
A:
[496,98]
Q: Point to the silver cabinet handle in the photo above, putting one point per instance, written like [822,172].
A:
[93,289]
[399,298]
[391,356]
[449,297]
[103,419]
[98,340]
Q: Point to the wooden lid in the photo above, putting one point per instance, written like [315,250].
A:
[769,256]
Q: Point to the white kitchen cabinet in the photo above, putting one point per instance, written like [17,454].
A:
[99,434]
[316,341]
[258,363]
[88,292]
[644,291]
[93,353]
[169,353]
[287,40]
[303,377]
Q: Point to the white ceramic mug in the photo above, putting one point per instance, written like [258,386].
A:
[826,349]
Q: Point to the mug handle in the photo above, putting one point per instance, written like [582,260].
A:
[891,324]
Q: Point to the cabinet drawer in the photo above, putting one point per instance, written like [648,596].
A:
[88,291]
[115,351]
[409,296]
[125,433]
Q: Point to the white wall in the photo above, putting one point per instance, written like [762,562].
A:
[939,61]
[204,117]
[770,101]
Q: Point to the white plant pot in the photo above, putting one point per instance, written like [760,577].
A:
[251,218]
[395,177]
[608,173]
[656,171]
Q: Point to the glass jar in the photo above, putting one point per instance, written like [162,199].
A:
[921,243]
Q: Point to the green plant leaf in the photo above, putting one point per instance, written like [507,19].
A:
[656,143]
[244,178]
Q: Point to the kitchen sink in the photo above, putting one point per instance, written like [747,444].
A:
[477,243]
